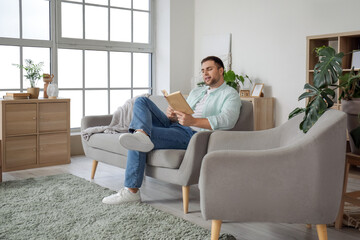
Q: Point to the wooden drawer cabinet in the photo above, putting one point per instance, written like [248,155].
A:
[20,119]
[53,148]
[34,133]
[263,108]
[20,151]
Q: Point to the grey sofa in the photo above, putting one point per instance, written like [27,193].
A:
[276,175]
[181,167]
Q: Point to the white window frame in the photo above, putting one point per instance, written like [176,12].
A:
[57,42]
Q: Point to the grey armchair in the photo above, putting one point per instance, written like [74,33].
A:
[181,167]
[276,175]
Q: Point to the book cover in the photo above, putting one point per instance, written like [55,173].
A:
[18,95]
[177,101]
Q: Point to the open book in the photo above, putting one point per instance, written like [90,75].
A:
[177,101]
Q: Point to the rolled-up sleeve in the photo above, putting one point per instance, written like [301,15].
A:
[229,114]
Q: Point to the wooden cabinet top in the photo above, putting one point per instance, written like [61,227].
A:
[40,100]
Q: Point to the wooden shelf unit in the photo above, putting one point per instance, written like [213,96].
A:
[34,133]
[341,42]
[263,108]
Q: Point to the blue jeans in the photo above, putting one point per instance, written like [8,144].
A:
[163,133]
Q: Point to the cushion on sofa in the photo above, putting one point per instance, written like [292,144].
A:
[167,158]
[107,142]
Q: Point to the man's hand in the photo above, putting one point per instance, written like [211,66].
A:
[171,114]
[185,119]
[188,120]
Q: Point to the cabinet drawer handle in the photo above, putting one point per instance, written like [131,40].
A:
[34,118]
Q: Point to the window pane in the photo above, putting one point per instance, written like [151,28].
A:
[121,3]
[9,19]
[141,69]
[10,75]
[120,25]
[141,27]
[96,23]
[96,102]
[76,106]
[118,98]
[36,19]
[37,55]
[96,69]
[99,2]
[70,68]
[140,92]
[120,69]
[71,20]
[141,4]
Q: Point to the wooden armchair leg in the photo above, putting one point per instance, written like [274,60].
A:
[93,170]
[321,231]
[308,226]
[215,229]
[185,193]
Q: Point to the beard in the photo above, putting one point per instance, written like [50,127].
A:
[212,82]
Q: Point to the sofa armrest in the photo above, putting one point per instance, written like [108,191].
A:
[196,150]
[93,121]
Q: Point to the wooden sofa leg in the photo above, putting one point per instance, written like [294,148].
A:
[321,231]
[185,193]
[215,229]
[93,170]
[308,226]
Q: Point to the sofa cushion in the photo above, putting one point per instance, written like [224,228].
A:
[166,158]
[107,142]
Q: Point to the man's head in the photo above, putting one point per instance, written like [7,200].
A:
[212,69]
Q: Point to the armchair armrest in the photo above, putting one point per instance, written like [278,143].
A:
[285,184]
[244,140]
[93,121]
[196,150]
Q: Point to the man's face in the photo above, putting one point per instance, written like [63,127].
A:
[211,73]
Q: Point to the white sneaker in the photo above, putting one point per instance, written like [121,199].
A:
[137,141]
[123,196]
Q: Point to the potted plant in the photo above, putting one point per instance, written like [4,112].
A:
[232,79]
[321,93]
[349,84]
[33,75]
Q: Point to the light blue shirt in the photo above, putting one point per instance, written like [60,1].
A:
[222,107]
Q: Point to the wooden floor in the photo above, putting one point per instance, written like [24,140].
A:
[168,198]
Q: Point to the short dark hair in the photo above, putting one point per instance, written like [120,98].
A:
[218,62]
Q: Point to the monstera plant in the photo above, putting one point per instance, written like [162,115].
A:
[321,93]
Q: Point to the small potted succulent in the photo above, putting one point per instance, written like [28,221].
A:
[33,75]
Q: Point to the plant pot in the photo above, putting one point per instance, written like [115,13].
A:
[34,92]
[352,109]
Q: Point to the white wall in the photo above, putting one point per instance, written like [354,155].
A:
[174,50]
[269,38]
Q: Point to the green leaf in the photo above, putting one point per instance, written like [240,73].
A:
[313,112]
[307,86]
[307,95]
[296,111]
[328,69]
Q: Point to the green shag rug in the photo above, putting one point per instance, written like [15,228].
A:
[68,207]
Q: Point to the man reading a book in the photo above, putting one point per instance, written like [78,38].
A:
[216,106]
